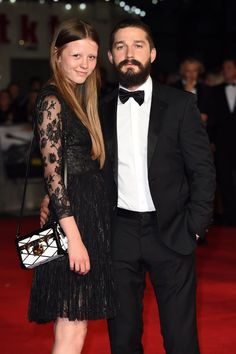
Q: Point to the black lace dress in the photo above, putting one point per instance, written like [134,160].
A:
[56,290]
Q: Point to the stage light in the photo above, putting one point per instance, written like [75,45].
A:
[82,6]
[68,7]
[130,9]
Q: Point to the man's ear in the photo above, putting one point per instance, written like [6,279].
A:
[110,57]
[153,54]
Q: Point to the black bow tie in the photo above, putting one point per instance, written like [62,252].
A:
[232,84]
[137,95]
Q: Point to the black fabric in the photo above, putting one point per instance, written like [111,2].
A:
[130,214]
[203,95]
[221,130]
[181,179]
[181,172]
[136,248]
[56,290]
[231,84]
[138,96]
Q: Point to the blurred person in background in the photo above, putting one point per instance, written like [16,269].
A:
[35,83]
[6,111]
[14,90]
[191,70]
[222,130]
[29,105]
[213,78]
[27,100]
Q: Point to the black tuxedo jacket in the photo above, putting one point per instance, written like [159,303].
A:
[221,122]
[203,95]
[180,169]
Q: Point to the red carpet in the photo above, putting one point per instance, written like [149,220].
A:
[216,302]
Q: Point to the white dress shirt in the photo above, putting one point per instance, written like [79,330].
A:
[132,136]
[194,90]
[230,91]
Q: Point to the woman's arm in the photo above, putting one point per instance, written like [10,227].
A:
[49,126]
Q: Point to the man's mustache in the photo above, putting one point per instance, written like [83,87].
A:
[129,61]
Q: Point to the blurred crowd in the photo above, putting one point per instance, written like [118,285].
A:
[16,107]
[216,99]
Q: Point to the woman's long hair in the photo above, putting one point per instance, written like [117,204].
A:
[82,98]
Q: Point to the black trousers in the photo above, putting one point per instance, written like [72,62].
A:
[137,249]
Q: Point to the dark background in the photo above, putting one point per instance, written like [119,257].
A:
[205,29]
[202,28]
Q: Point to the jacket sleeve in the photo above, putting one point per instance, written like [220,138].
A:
[200,169]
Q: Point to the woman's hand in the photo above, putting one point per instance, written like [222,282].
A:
[78,255]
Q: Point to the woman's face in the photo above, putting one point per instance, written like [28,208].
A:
[78,60]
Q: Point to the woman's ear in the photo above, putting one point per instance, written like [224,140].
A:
[57,56]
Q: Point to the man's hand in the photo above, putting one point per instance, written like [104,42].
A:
[44,211]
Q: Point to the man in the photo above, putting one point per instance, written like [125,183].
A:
[190,71]
[160,178]
[164,174]
[221,129]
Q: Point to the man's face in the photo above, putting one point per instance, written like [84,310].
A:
[229,71]
[190,71]
[132,56]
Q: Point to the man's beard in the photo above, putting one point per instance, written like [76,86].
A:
[130,78]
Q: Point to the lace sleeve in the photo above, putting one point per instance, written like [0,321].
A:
[49,128]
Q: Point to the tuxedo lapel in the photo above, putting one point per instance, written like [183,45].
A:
[158,109]
[224,99]
[110,129]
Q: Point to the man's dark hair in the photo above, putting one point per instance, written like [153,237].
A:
[131,22]
[230,58]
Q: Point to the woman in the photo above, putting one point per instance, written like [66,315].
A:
[77,288]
